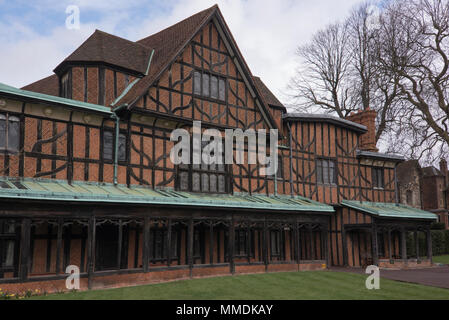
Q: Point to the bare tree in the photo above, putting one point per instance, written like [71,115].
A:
[339,71]
[322,80]
[415,49]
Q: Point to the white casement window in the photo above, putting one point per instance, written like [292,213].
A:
[9,133]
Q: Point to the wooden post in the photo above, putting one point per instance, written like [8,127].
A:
[345,245]
[146,244]
[119,244]
[25,253]
[404,245]
[374,245]
[211,243]
[90,251]
[312,243]
[265,245]
[297,244]
[325,233]
[429,243]
[59,245]
[415,235]
[190,245]
[389,245]
[248,244]
[169,227]
[232,245]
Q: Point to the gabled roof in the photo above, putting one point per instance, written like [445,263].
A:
[389,210]
[267,95]
[170,42]
[11,92]
[308,117]
[48,85]
[102,47]
[88,192]
[167,44]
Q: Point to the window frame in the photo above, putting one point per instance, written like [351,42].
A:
[122,134]
[319,171]
[192,169]
[210,76]
[7,118]
[375,181]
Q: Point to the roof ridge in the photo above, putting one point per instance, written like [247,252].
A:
[215,6]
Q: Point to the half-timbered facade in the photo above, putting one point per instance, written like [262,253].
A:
[87,180]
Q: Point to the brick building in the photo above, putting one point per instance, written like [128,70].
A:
[87,180]
[425,188]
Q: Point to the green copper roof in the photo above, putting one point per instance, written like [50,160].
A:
[5,89]
[55,190]
[389,210]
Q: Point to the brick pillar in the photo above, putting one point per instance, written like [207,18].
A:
[367,118]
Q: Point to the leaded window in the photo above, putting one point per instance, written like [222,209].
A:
[378,177]
[210,178]
[108,146]
[159,244]
[65,89]
[275,243]
[326,171]
[7,244]
[9,133]
[209,86]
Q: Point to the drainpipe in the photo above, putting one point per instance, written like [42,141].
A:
[291,158]
[396,194]
[115,117]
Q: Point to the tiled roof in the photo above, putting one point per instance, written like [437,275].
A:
[48,85]
[267,95]
[166,44]
[389,210]
[163,47]
[55,190]
[109,49]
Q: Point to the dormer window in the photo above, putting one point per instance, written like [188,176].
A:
[209,86]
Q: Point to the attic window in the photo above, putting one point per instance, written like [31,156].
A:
[209,86]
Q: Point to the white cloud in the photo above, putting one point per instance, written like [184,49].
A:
[267,32]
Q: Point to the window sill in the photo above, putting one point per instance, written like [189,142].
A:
[9,152]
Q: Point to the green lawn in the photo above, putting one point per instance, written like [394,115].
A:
[441,259]
[288,286]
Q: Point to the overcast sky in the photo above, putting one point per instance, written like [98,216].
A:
[34,39]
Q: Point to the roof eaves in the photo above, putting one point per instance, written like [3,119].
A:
[35,96]
[308,117]
[381,156]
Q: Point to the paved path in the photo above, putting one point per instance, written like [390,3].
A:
[436,276]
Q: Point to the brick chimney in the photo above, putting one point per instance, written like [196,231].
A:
[443,168]
[367,118]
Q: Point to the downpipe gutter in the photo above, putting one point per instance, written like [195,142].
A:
[291,157]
